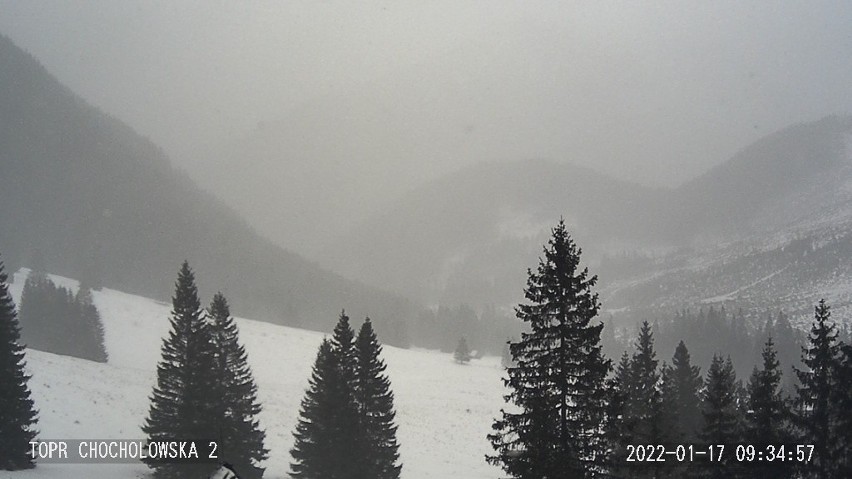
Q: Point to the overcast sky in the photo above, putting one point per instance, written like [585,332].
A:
[655,91]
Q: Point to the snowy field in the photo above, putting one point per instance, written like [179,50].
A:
[444,410]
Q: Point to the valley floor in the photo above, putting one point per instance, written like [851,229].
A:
[444,410]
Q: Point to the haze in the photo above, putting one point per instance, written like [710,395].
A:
[359,103]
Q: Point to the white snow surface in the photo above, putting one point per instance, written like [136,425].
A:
[444,410]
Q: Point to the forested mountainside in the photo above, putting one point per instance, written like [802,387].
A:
[83,195]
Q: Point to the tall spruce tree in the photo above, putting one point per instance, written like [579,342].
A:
[721,413]
[558,381]
[324,432]
[375,406]
[643,413]
[643,399]
[182,407]
[680,409]
[720,410]
[17,410]
[682,396]
[768,414]
[241,439]
[814,408]
[343,346]
[618,428]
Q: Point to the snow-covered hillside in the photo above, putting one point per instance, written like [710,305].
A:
[444,410]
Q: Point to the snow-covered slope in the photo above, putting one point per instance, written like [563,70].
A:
[444,410]
[725,236]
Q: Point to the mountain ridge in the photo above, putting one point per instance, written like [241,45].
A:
[86,196]
[657,246]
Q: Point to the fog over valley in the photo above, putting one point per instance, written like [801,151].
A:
[308,118]
[463,239]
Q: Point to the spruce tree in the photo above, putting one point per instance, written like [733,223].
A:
[643,413]
[462,352]
[17,411]
[720,409]
[768,414]
[557,384]
[814,408]
[324,432]
[680,409]
[181,404]
[343,347]
[682,396]
[240,436]
[343,343]
[375,406]
[618,426]
[721,413]
[643,399]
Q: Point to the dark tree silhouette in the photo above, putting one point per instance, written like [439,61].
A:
[767,420]
[376,409]
[54,320]
[343,344]
[241,439]
[182,407]
[17,410]
[721,412]
[681,396]
[642,413]
[618,428]
[814,408]
[558,380]
[643,399]
[325,432]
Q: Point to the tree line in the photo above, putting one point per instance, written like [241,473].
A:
[709,330]
[575,415]
[55,320]
[206,390]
